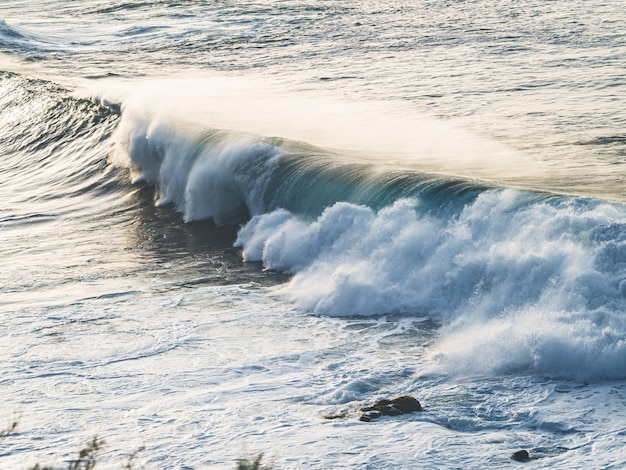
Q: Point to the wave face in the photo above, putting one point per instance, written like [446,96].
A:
[229,175]
[15,40]
[518,279]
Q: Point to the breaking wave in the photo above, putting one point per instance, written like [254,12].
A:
[517,279]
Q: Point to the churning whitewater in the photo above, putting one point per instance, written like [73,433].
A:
[223,223]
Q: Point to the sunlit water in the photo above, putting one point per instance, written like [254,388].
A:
[221,222]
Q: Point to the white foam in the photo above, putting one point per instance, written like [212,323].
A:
[197,170]
[516,284]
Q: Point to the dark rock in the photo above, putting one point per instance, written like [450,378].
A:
[339,416]
[370,415]
[396,407]
[376,406]
[406,404]
[521,455]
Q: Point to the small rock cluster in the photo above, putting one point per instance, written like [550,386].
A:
[395,407]
[403,405]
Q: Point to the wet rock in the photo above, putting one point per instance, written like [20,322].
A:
[406,404]
[521,455]
[370,415]
[395,407]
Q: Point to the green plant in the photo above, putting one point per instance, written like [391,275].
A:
[10,429]
[131,458]
[87,456]
[247,464]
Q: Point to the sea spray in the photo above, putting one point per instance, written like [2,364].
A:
[229,175]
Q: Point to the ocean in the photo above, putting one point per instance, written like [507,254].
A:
[223,222]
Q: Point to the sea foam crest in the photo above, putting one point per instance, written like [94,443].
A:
[516,284]
[205,173]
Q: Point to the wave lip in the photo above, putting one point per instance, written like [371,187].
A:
[205,173]
[229,175]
